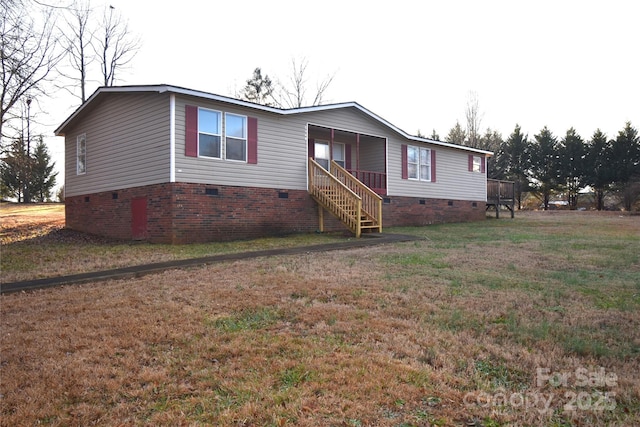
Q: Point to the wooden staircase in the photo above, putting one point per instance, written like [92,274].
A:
[349,200]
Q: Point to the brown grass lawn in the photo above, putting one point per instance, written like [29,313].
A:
[465,327]
[36,244]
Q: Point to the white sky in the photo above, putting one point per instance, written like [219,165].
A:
[557,63]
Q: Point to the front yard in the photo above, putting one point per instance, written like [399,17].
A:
[531,321]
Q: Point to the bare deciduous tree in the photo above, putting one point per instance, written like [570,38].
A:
[294,94]
[472,114]
[29,55]
[115,45]
[77,37]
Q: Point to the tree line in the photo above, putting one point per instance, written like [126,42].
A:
[551,166]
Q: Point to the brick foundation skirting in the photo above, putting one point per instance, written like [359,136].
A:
[189,213]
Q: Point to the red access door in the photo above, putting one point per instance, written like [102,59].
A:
[139,218]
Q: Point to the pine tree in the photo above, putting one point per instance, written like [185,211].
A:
[259,89]
[21,173]
[457,135]
[625,160]
[572,165]
[42,177]
[15,171]
[492,141]
[599,171]
[515,156]
[545,166]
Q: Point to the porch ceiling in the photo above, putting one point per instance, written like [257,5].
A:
[320,132]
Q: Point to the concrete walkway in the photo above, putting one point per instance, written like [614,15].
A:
[141,270]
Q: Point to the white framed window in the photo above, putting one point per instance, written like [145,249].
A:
[477,164]
[321,153]
[419,163]
[235,132]
[81,154]
[338,154]
[209,133]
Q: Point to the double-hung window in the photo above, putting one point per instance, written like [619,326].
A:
[209,133]
[419,163]
[81,154]
[235,137]
[338,154]
[321,153]
[477,163]
[219,135]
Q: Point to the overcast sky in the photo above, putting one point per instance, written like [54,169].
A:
[539,63]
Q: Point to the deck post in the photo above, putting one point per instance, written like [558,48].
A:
[320,218]
[498,203]
[359,217]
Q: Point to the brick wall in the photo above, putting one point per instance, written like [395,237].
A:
[183,213]
[409,211]
[109,213]
[232,213]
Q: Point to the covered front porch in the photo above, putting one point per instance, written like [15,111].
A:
[364,156]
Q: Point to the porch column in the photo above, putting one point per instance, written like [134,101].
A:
[357,151]
[331,136]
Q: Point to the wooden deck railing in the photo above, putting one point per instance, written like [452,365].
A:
[500,193]
[345,197]
[377,181]
[500,190]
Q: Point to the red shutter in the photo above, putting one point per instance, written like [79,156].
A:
[405,165]
[191,131]
[347,156]
[470,162]
[252,140]
[433,165]
[483,164]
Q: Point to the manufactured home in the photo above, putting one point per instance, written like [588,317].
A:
[169,164]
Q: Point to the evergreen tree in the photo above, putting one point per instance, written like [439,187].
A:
[259,89]
[42,177]
[515,161]
[15,169]
[625,159]
[492,141]
[545,166]
[598,167]
[22,174]
[457,135]
[572,165]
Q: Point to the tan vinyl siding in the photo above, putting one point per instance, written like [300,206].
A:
[372,154]
[453,180]
[127,144]
[282,150]
[349,119]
